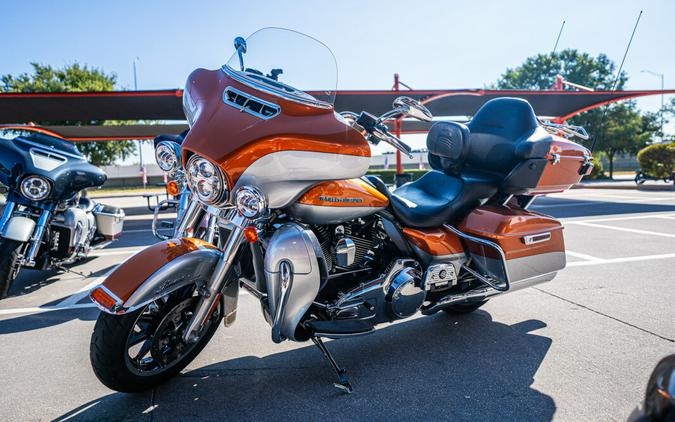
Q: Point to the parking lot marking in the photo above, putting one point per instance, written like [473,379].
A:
[620,260]
[583,256]
[116,252]
[38,310]
[631,217]
[622,229]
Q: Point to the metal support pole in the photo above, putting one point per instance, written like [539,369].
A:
[397,131]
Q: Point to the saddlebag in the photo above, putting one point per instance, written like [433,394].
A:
[109,220]
[530,245]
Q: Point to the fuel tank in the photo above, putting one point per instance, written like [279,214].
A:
[338,201]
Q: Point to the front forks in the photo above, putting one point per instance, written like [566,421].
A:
[214,287]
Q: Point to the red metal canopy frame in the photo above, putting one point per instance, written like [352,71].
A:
[89,108]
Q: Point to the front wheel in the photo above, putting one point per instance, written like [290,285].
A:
[142,349]
[10,264]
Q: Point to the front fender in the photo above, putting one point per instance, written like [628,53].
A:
[155,272]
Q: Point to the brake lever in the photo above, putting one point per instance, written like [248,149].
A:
[394,141]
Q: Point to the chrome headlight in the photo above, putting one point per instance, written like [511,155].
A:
[206,180]
[35,188]
[250,202]
[167,155]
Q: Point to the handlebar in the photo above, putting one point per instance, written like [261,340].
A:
[376,130]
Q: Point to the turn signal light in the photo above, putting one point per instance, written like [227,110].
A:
[172,188]
[100,296]
[251,234]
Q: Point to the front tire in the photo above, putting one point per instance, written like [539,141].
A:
[153,335]
[10,264]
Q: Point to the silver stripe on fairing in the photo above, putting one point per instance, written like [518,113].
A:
[320,214]
[284,175]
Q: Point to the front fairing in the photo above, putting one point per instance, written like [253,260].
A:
[234,139]
[257,104]
[67,171]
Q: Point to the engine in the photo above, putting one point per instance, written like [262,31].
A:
[351,246]
[367,281]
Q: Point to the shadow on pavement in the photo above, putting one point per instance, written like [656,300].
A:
[429,368]
[46,319]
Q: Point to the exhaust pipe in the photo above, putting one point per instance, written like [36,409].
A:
[484,292]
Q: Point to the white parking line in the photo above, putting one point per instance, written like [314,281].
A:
[622,229]
[109,252]
[631,217]
[620,260]
[44,309]
[583,256]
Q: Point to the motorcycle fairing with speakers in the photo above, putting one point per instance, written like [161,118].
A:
[277,178]
[46,220]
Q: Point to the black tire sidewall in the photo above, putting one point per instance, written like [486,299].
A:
[10,250]
[108,354]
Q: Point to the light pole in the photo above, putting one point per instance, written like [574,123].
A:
[659,75]
[140,146]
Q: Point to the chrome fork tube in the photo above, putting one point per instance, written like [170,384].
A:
[183,205]
[6,215]
[36,240]
[216,283]
[189,218]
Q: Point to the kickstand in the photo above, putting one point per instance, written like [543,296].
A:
[68,270]
[343,381]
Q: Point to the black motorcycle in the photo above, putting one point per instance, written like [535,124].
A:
[46,222]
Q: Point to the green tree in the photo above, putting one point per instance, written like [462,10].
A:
[623,130]
[72,78]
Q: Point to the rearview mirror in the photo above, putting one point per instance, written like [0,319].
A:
[240,46]
[413,108]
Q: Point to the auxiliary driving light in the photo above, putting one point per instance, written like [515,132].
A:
[167,155]
[250,202]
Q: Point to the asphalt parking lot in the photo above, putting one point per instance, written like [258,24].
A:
[578,348]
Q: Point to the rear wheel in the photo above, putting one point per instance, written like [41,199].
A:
[142,349]
[10,264]
[464,308]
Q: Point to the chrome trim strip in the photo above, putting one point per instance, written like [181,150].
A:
[249,97]
[264,88]
[537,238]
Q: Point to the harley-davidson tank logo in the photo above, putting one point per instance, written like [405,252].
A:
[338,199]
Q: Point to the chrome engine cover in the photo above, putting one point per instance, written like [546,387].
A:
[293,268]
[404,291]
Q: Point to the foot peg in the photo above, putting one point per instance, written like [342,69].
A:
[343,381]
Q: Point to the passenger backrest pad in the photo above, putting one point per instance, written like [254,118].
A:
[496,130]
[448,144]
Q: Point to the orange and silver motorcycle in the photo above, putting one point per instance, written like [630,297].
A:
[277,178]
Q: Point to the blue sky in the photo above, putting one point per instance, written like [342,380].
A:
[431,44]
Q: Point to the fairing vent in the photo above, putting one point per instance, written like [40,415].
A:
[250,104]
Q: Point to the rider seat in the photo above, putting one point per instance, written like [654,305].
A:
[502,150]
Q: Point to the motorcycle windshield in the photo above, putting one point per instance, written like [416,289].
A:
[287,64]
